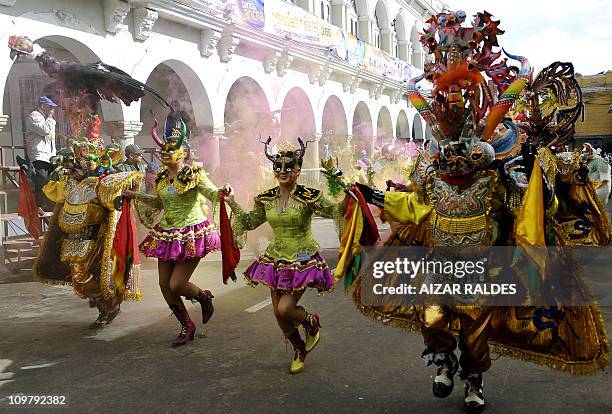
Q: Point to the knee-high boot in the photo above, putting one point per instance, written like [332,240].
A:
[299,355]
[188,328]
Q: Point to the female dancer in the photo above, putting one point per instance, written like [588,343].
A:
[292,261]
[184,235]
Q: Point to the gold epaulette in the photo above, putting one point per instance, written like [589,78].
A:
[306,194]
[161,175]
[189,173]
[268,195]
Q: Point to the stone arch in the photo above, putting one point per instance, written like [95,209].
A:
[178,83]
[402,127]
[383,23]
[363,18]
[297,120]
[362,127]
[362,7]
[428,133]
[381,11]
[247,115]
[402,38]
[175,80]
[417,55]
[25,81]
[334,125]
[401,31]
[384,127]
[417,128]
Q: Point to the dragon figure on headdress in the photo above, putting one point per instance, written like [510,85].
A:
[460,90]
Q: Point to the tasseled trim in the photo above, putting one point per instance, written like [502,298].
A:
[52,281]
[135,296]
[600,362]
[42,249]
[112,186]
[106,272]
[574,368]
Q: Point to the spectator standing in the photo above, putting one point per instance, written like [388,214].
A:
[40,147]
[40,131]
[133,160]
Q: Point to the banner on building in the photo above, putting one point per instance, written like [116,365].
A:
[291,22]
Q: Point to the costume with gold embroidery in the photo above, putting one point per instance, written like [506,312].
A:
[184,231]
[472,187]
[90,242]
[292,261]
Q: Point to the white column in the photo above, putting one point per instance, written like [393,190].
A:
[404,50]
[418,57]
[123,132]
[339,14]
[213,154]
[313,148]
[386,40]
[365,28]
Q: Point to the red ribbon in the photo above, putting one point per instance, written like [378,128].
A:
[230,255]
[27,207]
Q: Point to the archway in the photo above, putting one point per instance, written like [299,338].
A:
[382,32]
[26,82]
[360,11]
[247,115]
[334,126]
[384,127]
[247,119]
[417,128]
[417,56]
[297,120]
[362,128]
[402,128]
[402,49]
[180,86]
[428,133]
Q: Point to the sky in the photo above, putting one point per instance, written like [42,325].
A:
[544,31]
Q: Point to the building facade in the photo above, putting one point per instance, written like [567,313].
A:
[595,126]
[319,69]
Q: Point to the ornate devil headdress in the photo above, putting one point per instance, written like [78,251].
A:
[549,107]
[285,152]
[462,108]
[173,137]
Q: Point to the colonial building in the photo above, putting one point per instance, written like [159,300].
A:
[239,68]
[595,126]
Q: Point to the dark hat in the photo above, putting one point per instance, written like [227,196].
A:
[133,149]
[45,100]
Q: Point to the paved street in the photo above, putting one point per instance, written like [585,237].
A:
[239,362]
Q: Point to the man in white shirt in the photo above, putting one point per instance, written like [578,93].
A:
[40,147]
[40,131]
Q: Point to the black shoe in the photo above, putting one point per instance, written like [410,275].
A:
[443,383]
[100,322]
[474,402]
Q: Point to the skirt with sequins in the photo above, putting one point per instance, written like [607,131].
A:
[291,276]
[179,245]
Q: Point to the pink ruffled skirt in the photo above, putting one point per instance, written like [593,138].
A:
[179,245]
[291,276]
